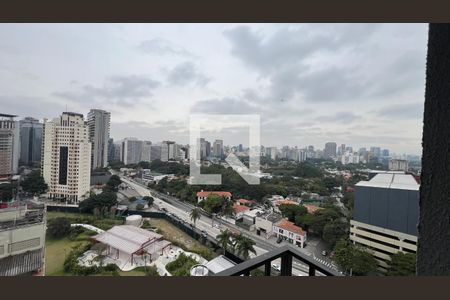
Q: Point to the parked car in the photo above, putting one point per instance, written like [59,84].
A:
[279,240]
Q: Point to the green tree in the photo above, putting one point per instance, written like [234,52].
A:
[101,202]
[354,259]
[224,239]
[149,200]
[402,264]
[213,204]
[58,227]
[132,199]
[334,231]
[34,183]
[291,211]
[113,183]
[6,192]
[140,207]
[244,246]
[195,215]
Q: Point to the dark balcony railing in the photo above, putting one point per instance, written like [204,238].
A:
[287,254]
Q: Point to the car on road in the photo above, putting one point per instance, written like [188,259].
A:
[324,253]
[216,226]
[276,267]
[279,240]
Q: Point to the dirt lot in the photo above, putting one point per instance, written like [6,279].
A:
[174,234]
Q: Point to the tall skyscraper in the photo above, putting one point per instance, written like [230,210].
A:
[99,122]
[376,151]
[66,157]
[30,141]
[9,146]
[146,148]
[131,151]
[167,150]
[218,149]
[111,150]
[341,150]
[330,150]
[155,152]
[117,151]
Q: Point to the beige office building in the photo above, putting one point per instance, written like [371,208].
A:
[66,157]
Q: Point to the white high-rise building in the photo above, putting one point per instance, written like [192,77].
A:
[66,157]
[146,148]
[99,122]
[9,146]
[131,151]
[218,148]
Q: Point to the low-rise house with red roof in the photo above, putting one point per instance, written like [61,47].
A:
[239,210]
[202,195]
[289,231]
[245,202]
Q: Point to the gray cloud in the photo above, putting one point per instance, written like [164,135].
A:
[402,111]
[224,106]
[288,58]
[121,90]
[162,46]
[340,117]
[187,73]
[25,106]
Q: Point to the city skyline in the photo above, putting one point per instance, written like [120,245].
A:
[311,83]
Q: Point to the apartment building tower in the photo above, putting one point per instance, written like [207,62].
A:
[66,157]
[9,146]
[99,126]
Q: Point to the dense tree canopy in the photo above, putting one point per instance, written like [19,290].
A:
[113,183]
[292,211]
[402,264]
[102,201]
[58,227]
[6,192]
[34,183]
[354,259]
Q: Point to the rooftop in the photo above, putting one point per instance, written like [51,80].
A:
[392,180]
[127,238]
[312,208]
[289,226]
[218,193]
[219,264]
[240,208]
[19,264]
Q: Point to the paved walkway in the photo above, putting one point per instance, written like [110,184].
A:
[87,226]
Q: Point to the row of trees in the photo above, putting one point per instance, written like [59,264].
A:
[236,243]
[357,260]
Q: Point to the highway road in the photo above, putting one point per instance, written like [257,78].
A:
[205,223]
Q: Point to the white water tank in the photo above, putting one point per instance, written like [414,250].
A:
[134,220]
[199,270]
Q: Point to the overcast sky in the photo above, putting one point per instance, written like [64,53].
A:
[358,84]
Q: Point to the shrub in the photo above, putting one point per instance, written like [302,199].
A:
[181,266]
[58,227]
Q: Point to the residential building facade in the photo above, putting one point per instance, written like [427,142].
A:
[9,146]
[66,157]
[99,126]
[22,239]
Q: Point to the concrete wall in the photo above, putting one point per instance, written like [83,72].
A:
[393,209]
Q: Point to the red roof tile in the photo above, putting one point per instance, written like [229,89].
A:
[240,208]
[218,193]
[289,226]
[279,202]
[245,201]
